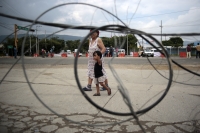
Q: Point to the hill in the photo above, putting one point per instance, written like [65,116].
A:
[63,37]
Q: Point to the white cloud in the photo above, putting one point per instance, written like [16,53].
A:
[150,24]
[60,20]
[176,14]
[187,22]
[32,4]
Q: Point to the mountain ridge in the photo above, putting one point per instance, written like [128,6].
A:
[42,36]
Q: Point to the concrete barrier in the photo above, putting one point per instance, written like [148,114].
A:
[121,55]
[64,55]
[182,54]
[35,55]
[135,54]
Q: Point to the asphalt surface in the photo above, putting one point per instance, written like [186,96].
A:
[45,97]
[83,60]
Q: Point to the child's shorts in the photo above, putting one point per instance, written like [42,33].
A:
[100,79]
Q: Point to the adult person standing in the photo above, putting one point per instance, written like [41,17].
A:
[141,50]
[111,51]
[188,51]
[95,44]
[116,52]
[43,53]
[15,52]
[197,51]
[51,52]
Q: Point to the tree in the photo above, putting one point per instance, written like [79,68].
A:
[132,42]
[106,41]
[73,45]
[167,43]
[117,41]
[176,41]
[191,44]
[59,44]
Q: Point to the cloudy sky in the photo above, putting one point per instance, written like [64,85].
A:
[177,16]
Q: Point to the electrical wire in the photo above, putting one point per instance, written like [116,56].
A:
[111,28]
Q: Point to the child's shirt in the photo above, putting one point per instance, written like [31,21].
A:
[98,70]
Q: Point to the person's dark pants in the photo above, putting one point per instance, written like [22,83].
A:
[15,54]
[197,54]
[43,55]
[111,54]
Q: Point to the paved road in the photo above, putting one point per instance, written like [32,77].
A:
[83,60]
[21,110]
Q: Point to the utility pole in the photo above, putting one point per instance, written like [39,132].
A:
[37,49]
[38,46]
[127,24]
[30,45]
[36,41]
[161,32]
[45,40]
[127,44]
[15,29]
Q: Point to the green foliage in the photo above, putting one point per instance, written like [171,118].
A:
[10,41]
[106,41]
[176,41]
[167,43]
[191,44]
[117,41]
[132,42]
[173,41]
[71,45]
[59,44]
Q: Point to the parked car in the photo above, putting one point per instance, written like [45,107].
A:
[69,52]
[121,51]
[75,50]
[148,53]
[156,52]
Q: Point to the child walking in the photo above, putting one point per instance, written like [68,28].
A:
[99,77]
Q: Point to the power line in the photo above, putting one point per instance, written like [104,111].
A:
[13,9]
[176,25]
[158,14]
[181,25]
[134,12]
[167,13]
[6,27]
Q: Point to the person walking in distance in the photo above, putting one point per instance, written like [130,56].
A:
[188,51]
[95,44]
[43,53]
[198,51]
[111,51]
[99,76]
[15,52]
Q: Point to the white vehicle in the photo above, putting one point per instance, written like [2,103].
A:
[121,51]
[148,53]
[156,52]
[69,52]
[75,50]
